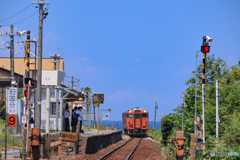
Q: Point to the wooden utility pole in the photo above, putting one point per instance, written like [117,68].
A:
[12,55]
[42,15]
[39,72]
[156,107]
[72,102]
[98,119]
[193,146]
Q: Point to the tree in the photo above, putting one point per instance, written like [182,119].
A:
[228,103]
[88,92]
[166,128]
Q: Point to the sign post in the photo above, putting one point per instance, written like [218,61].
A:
[98,98]
[12,101]
[196,120]
[12,120]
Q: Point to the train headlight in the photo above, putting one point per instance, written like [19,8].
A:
[145,111]
[129,111]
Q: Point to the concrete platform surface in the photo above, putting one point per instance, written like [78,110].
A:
[93,132]
[11,153]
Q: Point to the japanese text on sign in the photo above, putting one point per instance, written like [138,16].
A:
[68,136]
[12,100]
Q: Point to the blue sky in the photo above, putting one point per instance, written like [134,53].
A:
[136,52]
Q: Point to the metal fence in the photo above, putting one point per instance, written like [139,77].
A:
[109,126]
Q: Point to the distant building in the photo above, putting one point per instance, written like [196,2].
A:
[48,107]
[20,65]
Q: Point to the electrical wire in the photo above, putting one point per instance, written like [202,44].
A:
[6,32]
[17,13]
[22,20]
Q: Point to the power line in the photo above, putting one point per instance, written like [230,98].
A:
[23,19]
[16,14]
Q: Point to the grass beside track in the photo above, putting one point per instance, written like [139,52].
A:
[11,140]
[155,134]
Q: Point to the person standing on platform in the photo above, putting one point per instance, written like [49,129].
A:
[80,117]
[66,117]
[74,119]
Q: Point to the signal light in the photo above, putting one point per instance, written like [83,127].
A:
[26,93]
[205,49]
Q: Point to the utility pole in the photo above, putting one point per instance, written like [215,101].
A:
[72,102]
[42,15]
[12,55]
[217,98]
[11,47]
[156,107]
[183,105]
[57,95]
[160,119]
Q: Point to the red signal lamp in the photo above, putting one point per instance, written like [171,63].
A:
[26,93]
[205,49]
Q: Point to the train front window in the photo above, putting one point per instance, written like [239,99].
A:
[145,115]
[130,116]
[137,116]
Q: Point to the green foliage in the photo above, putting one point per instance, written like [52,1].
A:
[166,129]
[155,134]
[232,131]
[3,112]
[229,107]
[87,89]
[11,140]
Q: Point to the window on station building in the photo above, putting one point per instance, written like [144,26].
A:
[52,93]
[53,108]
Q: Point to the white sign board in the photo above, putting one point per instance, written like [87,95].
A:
[197,120]
[12,100]
[106,116]
[199,133]
[24,119]
[199,145]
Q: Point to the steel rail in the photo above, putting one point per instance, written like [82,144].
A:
[129,156]
[109,153]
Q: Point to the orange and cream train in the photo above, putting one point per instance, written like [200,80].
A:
[135,121]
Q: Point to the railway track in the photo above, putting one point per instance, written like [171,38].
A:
[125,151]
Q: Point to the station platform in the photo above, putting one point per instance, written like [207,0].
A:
[91,142]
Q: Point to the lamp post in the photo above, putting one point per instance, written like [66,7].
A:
[196,126]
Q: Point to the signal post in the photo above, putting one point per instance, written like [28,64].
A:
[205,48]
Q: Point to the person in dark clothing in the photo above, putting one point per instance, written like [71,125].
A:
[74,119]
[66,118]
